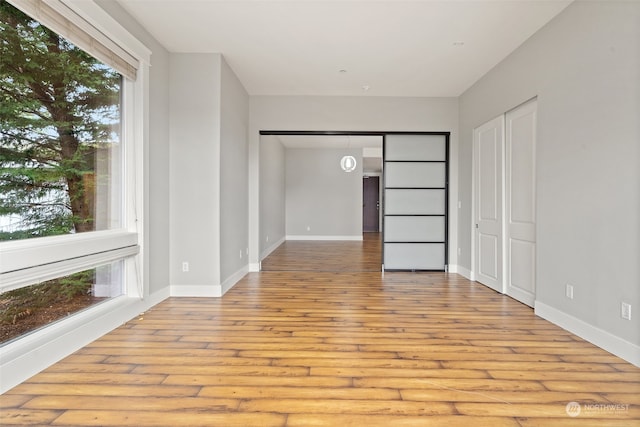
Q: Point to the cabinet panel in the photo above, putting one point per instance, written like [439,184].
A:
[414,256]
[414,202]
[415,147]
[415,174]
[414,229]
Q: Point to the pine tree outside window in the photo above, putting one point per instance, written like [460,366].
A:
[59,134]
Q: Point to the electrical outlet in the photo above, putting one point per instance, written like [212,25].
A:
[459,251]
[240,253]
[185,267]
[625,311]
[569,291]
[308,228]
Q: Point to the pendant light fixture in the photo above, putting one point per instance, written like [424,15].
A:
[348,163]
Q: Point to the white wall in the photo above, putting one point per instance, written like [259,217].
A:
[584,67]
[323,201]
[272,194]
[234,210]
[195,81]
[365,113]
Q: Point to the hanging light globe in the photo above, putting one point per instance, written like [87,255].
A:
[348,163]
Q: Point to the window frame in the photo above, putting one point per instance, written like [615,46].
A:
[28,355]
[29,261]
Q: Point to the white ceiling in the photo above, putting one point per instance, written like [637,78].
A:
[394,47]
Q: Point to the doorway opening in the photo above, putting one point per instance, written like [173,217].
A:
[306,195]
[318,200]
[370,204]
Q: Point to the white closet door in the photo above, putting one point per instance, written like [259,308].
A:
[488,141]
[521,202]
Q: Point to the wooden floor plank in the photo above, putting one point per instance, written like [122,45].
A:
[33,417]
[333,347]
[257,381]
[41,389]
[541,410]
[346,406]
[358,363]
[397,372]
[489,396]
[126,403]
[15,400]
[333,420]
[565,421]
[145,362]
[307,392]
[164,419]
[521,366]
[602,386]
[449,383]
[631,378]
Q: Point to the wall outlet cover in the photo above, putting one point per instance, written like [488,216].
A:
[569,291]
[625,311]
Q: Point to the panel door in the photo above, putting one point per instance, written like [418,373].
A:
[520,215]
[370,204]
[488,140]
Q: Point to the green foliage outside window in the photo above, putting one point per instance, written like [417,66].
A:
[58,107]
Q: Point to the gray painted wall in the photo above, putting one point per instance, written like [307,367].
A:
[157,226]
[584,67]
[365,113]
[195,168]
[234,209]
[272,194]
[320,195]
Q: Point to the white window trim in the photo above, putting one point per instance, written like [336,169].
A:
[20,278]
[29,253]
[103,22]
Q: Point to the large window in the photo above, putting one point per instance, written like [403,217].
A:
[69,174]
[59,134]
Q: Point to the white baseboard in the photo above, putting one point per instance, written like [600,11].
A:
[254,267]
[32,353]
[305,237]
[196,290]
[209,290]
[234,278]
[272,248]
[464,272]
[603,339]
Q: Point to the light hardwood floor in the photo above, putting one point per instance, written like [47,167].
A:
[352,256]
[334,348]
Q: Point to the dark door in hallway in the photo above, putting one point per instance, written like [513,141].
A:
[370,204]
